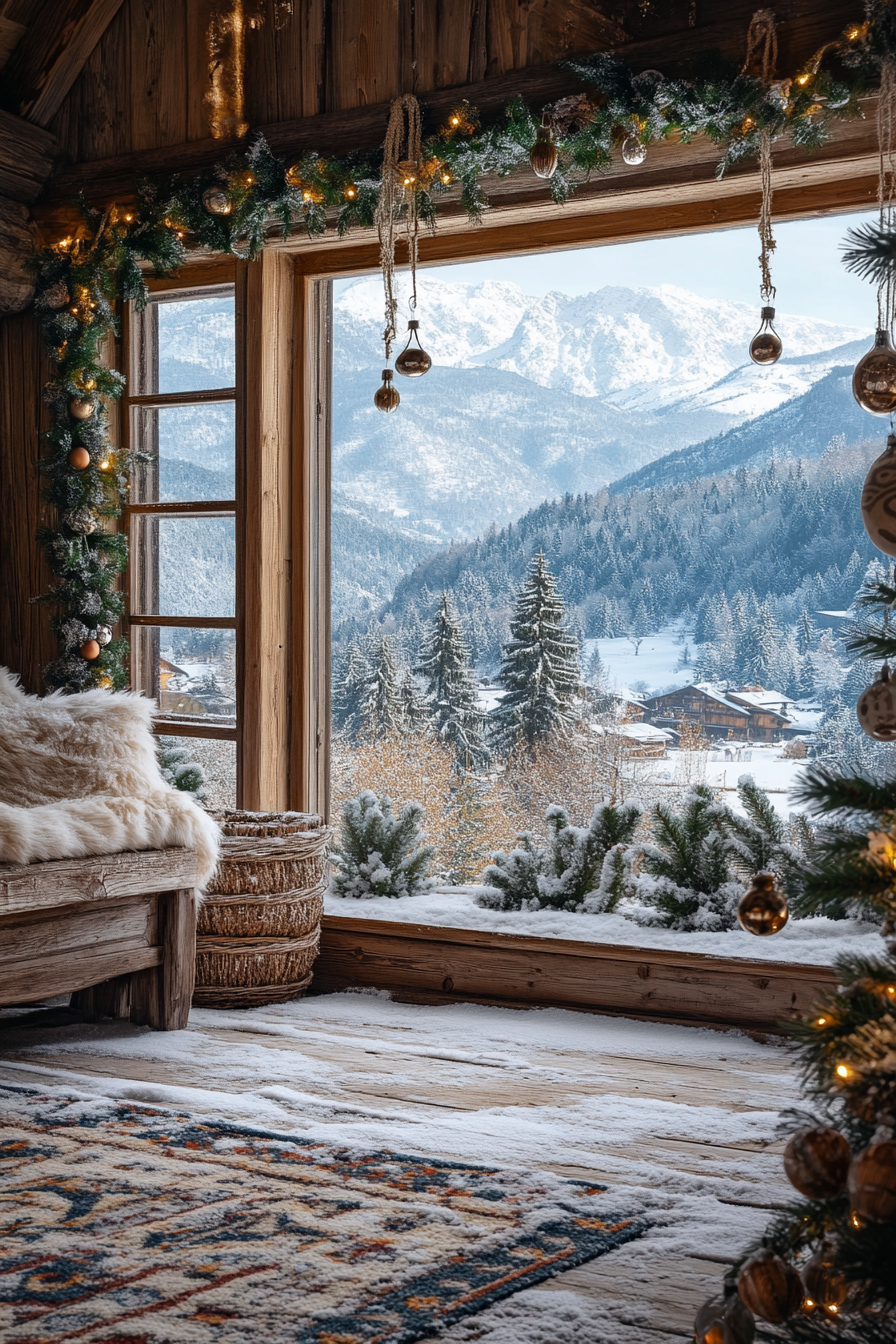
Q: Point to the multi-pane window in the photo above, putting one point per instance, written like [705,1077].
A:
[182,512]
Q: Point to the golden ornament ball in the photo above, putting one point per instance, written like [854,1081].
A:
[79,458]
[872,1182]
[876,708]
[217,201]
[816,1161]
[413,361]
[90,649]
[763,909]
[543,155]
[874,377]
[766,345]
[80,408]
[386,398]
[724,1320]
[879,499]
[825,1286]
[770,1287]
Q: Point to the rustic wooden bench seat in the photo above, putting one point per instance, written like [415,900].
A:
[118,930]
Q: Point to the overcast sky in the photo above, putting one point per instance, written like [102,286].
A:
[806,269]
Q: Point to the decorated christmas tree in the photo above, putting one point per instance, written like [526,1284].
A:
[450,688]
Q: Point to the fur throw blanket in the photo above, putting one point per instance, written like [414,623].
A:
[79,775]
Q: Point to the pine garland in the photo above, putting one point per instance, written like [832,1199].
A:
[81,280]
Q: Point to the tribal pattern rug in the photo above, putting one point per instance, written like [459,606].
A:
[127,1224]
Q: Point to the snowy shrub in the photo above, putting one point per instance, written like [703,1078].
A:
[758,842]
[380,854]
[580,868]
[177,768]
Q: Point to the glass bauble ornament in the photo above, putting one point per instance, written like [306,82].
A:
[633,151]
[763,909]
[766,346]
[103,635]
[217,201]
[57,296]
[90,650]
[816,1161]
[80,408]
[876,708]
[80,520]
[386,398]
[879,499]
[874,377]
[825,1287]
[872,1182]
[79,458]
[413,361]
[770,1287]
[543,155]
[725,1320]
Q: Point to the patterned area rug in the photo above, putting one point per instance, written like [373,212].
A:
[122,1222]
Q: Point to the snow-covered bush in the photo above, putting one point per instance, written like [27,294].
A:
[758,842]
[380,854]
[580,868]
[177,768]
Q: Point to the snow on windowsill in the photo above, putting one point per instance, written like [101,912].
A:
[813,942]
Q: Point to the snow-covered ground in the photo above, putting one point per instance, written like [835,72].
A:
[814,942]
[653,668]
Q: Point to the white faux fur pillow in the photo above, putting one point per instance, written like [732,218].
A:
[80,776]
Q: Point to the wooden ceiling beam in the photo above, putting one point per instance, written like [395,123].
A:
[27,155]
[50,55]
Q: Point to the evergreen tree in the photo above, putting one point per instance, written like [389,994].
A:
[806,634]
[351,689]
[381,708]
[412,707]
[378,853]
[450,695]
[827,671]
[764,639]
[540,667]
[177,768]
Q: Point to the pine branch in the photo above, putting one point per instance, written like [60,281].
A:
[871,252]
[828,790]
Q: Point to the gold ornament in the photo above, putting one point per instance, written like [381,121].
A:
[90,650]
[763,909]
[872,1183]
[103,635]
[724,1320]
[876,708]
[634,151]
[543,155]
[874,377]
[879,499]
[413,361]
[770,1287]
[766,345]
[825,1287]
[81,409]
[386,398]
[79,458]
[217,201]
[816,1161]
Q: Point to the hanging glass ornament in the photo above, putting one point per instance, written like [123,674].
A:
[825,1287]
[634,151]
[725,1320]
[876,708]
[766,346]
[874,378]
[80,520]
[386,398]
[816,1161]
[872,1182]
[770,1287]
[413,361]
[543,155]
[81,409]
[217,201]
[763,909]
[103,635]
[879,499]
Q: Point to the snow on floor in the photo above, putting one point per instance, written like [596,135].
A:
[814,942]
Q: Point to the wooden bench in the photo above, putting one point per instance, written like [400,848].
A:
[118,931]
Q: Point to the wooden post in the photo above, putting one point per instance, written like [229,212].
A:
[177,914]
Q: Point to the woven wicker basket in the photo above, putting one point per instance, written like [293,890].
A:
[259,927]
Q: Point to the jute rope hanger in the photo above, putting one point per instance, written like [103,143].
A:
[395,193]
[762,51]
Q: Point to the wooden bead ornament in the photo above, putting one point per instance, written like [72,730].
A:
[825,1286]
[876,708]
[879,499]
[80,408]
[79,458]
[90,649]
[543,155]
[386,398]
[770,1287]
[763,909]
[724,1320]
[872,1182]
[874,377]
[816,1161]
[413,361]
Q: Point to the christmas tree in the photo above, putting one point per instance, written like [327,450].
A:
[450,688]
[540,668]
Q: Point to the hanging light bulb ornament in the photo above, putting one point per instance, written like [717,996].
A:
[874,377]
[879,499]
[766,346]
[762,53]
[413,361]
[217,201]
[763,909]
[543,154]
[876,708]
[402,152]
[386,398]
[826,1289]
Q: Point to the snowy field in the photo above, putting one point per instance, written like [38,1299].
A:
[652,669]
[813,942]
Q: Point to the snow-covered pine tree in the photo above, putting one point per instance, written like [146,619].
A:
[351,685]
[450,693]
[177,768]
[381,708]
[413,708]
[806,634]
[378,853]
[540,668]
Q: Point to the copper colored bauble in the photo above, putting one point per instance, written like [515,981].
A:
[766,345]
[217,201]
[874,377]
[386,398]
[413,361]
[724,1320]
[770,1287]
[79,458]
[103,635]
[872,1182]
[543,155]
[824,1285]
[816,1161]
[879,499]
[81,409]
[633,151]
[876,708]
[90,650]
[763,909]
